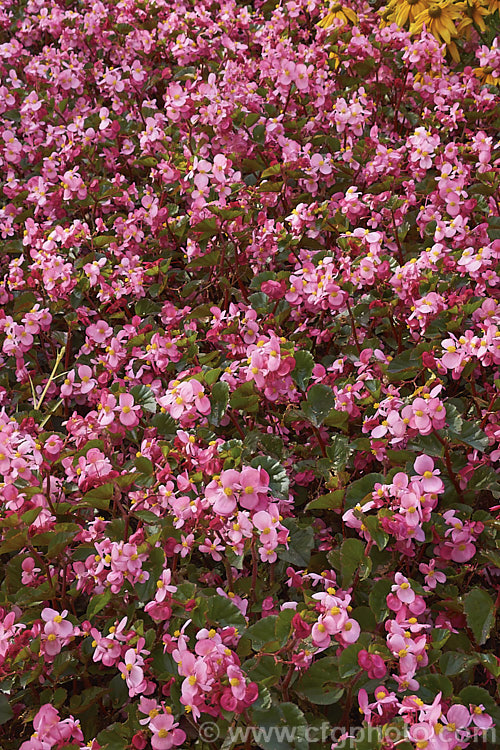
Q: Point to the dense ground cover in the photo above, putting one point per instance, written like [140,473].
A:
[249,374]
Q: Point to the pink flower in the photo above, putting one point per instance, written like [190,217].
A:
[350,631]
[480,718]
[373,664]
[165,732]
[55,620]
[132,673]
[432,577]
[99,331]
[402,589]
[254,483]
[224,492]
[88,382]
[287,73]
[237,682]
[364,705]
[427,474]
[129,413]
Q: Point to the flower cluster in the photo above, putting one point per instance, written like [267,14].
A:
[249,370]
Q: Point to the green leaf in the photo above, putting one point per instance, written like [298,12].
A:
[377,598]
[484,478]
[6,712]
[470,434]
[338,419]
[263,634]
[145,307]
[304,363]
[320,401]
[118,691]
[321,682]
[212,375]
[327,502]
[432,684]
[209,259]
[285,716]
[58,542]
[99,497]
[404,366]
[284,625]
[361,488]
[112,738]
[352,557]
[219,401]
[144,466]
[454,663]
[272,632]
[97,603]
[251,119]
[278,478]
[490,662]
[480,612]
[207,225]
[339,451]
[245,399]
[13,541]
[221,612]
[104,239]
[24,302]
[379,536]
[145,397]
[477,696]
[264,670]
[348,660]
[270,171]
[155,564]
[259,133]
[164,424]
[300,544]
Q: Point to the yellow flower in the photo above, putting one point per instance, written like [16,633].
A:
[405,10]
[334,56]
[338,11]
[484,75]
[439,19]
[493,6]
[386,16]
[473,12]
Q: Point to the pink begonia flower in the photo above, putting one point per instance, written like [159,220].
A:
[165,732]
[132,673]
[56,622]
[373,664]
[225,493]
[237,682]
[85,375]
[99,331]
[432,577]
[402,589]
[129,413]
[350,631]
[363,704]
[427,474]
[150,707]
[481,719]
[253,482]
